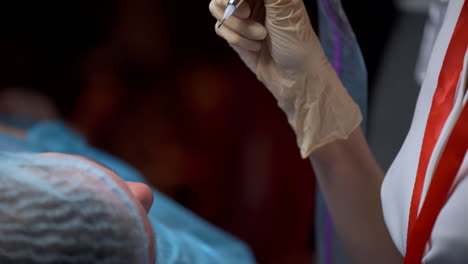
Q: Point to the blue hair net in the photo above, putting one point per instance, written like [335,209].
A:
[65,210]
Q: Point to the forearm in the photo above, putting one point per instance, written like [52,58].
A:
[350,180]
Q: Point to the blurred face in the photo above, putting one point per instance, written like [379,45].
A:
[140,194]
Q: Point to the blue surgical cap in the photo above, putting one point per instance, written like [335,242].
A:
[66,210]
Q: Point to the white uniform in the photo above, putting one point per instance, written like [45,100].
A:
[449,239]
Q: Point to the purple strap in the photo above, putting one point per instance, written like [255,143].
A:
[337,66]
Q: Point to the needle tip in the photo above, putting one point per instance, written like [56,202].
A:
[222,22]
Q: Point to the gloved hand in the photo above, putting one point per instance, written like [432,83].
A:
[276,41]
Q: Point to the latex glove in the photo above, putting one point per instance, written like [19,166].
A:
[276,41]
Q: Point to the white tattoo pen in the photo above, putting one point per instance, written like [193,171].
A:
[230,9]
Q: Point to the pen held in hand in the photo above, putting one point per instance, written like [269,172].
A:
[230,9]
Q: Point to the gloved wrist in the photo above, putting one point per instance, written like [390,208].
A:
[317,106]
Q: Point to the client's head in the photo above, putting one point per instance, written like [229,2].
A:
[68,210]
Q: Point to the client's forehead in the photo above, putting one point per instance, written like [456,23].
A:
[66,168]
[56,171]
[62,180]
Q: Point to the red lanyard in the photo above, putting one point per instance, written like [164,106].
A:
[420,227]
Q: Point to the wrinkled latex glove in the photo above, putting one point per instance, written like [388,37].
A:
[276,41]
